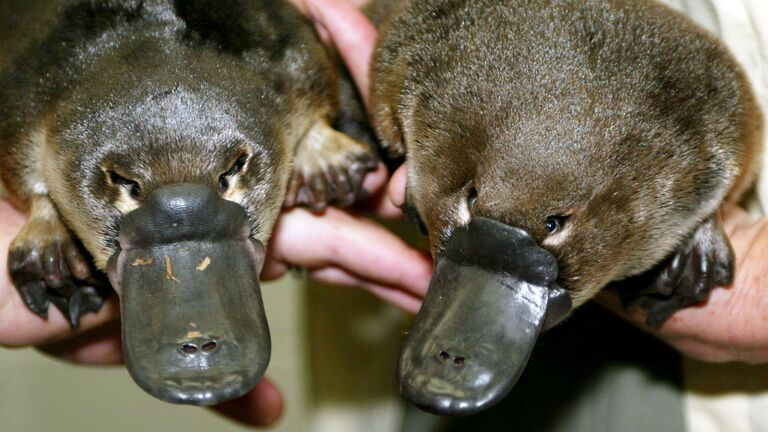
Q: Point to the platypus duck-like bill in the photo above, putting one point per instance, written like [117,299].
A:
[187,273]
[492,293]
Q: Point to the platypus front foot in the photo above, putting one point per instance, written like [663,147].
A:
[700,265]
[48,266]
[329,168]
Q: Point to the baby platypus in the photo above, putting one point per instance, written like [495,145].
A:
[158,139]
[554,148]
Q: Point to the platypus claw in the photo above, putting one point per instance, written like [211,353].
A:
[329,169]
[331,185]
[687,277]
[84,299]
[57,273]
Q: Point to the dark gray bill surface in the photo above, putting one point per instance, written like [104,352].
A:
[194,328]
[492,293]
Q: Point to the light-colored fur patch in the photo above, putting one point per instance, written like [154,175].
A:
[559,237]
[125,202]
[34,159]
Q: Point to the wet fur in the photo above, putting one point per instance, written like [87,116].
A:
[622,117]
[158,92]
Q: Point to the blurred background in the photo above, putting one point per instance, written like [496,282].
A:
[333,356]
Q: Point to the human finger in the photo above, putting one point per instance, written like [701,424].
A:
[393,295]
[353,35]
[262,406]
[396,186]
[101,345]
[358,245]
[379,201]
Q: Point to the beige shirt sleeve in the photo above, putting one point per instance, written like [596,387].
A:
[726,397]
[743,26]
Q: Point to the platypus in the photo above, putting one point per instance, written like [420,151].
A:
[157,140]
[554,148]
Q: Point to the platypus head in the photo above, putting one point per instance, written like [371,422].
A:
[174,190]
[555,201]
[583,141]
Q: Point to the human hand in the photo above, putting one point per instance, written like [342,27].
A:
[354,37]
[732,325]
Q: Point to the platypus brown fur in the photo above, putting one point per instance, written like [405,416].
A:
[620,121]
[103,102]
[610,131]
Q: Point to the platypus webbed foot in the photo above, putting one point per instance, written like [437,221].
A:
[48,266]
[329,168]
[687,277]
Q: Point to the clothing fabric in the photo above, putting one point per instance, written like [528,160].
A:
[733,398]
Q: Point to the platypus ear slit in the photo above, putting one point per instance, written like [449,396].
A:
[132,186]
[238,165]
[701,264]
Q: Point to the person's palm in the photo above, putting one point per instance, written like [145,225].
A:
[732,325]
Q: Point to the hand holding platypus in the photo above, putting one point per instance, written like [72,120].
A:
[720,329]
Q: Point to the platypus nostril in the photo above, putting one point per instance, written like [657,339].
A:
[209,346]
[188,348]
[444,356]
[459,360]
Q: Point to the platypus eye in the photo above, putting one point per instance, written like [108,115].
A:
[471,197]
[133,187]
[554,223]
[135,190]
[223,183]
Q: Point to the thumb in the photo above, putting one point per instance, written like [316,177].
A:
[262,406]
